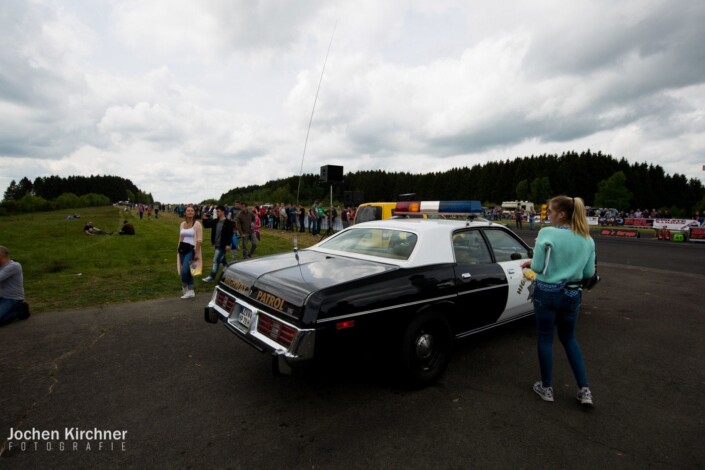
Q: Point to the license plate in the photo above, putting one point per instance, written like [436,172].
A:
[245,317]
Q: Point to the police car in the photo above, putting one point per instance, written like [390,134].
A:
[410,285]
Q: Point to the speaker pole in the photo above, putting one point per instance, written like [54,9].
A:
[329,231]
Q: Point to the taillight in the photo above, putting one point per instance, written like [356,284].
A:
[342,325]
[274,329]
[224,301]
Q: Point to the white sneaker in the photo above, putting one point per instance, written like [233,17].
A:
[585,397]
[189,294]
[546,393]
[207,279]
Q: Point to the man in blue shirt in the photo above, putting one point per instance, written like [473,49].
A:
[11,289]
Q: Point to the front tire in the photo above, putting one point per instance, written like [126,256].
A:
[426,349]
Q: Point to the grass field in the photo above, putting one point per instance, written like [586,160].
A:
[65,269]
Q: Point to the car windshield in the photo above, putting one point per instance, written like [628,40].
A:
[385,243]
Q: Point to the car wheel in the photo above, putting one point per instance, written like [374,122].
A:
[210,316]
[426,349]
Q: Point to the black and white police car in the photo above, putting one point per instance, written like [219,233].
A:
[412,285]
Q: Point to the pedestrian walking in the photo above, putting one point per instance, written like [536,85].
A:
[221,237]
[189,251]
[564,255]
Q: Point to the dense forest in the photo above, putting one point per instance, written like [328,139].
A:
[114,188]
[601,180]
[54,192]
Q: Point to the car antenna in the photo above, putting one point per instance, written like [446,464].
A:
[308,131]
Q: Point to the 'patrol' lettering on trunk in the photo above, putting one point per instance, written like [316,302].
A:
[271,300]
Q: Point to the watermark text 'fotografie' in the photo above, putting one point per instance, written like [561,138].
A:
[66,439]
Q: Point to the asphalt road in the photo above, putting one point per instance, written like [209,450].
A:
[645,252]
[189,394]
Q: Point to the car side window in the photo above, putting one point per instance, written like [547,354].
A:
[470,248]
[505,247]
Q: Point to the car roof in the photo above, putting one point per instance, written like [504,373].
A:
[423,225]
[434,244]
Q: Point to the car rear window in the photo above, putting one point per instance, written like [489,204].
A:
[368,213]
[385,243]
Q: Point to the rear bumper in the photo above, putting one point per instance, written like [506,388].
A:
[225,307]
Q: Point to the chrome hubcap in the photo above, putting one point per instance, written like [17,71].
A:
[424,346]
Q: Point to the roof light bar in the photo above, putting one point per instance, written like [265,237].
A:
[440,207]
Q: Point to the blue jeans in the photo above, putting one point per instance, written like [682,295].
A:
[219,257]
[186,277]
[10,309]
[558,310]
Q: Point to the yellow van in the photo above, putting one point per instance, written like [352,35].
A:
[374,211]
[415,209]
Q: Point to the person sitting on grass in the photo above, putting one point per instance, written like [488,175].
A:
[12,305]
[127,228]
[89,229]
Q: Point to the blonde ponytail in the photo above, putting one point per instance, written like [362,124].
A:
[579,222]
[574,208]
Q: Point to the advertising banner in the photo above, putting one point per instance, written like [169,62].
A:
[674,224]
[634,222]
[625,233]
[697,234]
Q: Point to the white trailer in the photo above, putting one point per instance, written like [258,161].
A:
[511,206]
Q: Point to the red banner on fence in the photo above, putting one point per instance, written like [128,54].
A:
[611,232]
[697,234]
[639,222]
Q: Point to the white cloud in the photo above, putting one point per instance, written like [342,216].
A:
[190,99]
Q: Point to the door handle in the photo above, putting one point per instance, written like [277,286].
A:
[510,271]
[466,275]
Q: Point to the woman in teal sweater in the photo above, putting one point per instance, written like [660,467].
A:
[564,255]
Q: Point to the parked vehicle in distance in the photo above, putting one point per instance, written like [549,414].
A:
[374,211]
[416,209]
[508,207]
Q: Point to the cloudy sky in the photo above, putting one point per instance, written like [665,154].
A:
[189,99]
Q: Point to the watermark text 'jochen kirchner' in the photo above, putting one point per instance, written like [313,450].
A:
[68,439]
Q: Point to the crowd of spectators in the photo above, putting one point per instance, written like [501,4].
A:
[319,217]
[632,213]
[285,217]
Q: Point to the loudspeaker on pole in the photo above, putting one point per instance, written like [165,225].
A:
[331,174]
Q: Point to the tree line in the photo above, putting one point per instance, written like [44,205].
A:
[55,192]
[600,179]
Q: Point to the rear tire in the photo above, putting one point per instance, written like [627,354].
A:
[210,316]
[427,345]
